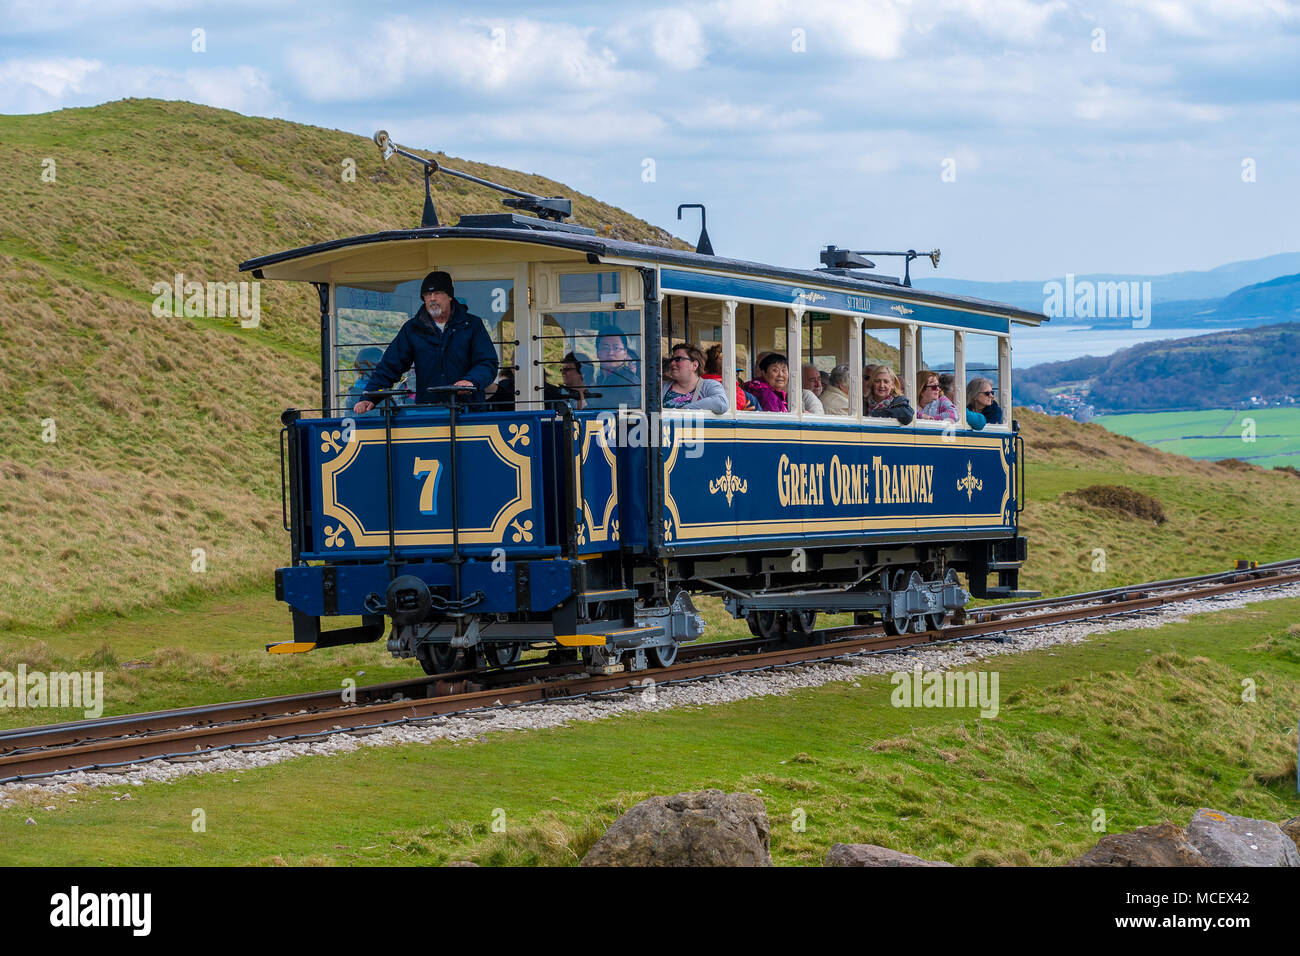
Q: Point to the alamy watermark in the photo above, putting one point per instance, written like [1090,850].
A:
[1085,299]
[82,690]
[213,300]
[915,688]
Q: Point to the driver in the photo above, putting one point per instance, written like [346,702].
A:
[447,345]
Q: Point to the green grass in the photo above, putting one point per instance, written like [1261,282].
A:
[1148,725]
[1218,433]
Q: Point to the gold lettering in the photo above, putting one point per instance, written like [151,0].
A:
[783,481]
[821,483]
[836,480]
[929,483]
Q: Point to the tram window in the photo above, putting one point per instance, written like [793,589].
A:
[698,322]
[981,367]
[937,350]
[589,287]
[882,345]
[765,326]
[825,347]
[369,319]
[608,348]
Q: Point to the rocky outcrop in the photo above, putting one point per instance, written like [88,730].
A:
[1292,829]
[1165,845]
[1227,840]
[868,854]
[707,828]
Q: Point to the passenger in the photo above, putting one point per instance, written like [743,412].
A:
[885,399]
[713,371]
[500,395]
[364,364]
[812,388]
[574,372]
[446,344]
[934,404]
[979,398]
[948,385]
[768,388]
[617,380]
[836,397]
[826,383]
[689,389]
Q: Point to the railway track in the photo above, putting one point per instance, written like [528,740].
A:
[197,732]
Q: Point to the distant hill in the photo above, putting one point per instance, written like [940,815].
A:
[1217,370]
[1180,298]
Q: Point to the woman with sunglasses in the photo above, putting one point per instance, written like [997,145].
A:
[935,405]
[688,388]
[981,410]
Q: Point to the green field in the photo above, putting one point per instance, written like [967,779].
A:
[1217,433]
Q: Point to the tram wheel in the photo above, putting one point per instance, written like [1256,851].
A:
[437,658]
[896,626]
[503,655]
[771,624]
[801,627]
[665,655]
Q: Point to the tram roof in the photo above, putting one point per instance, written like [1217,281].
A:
[315,263]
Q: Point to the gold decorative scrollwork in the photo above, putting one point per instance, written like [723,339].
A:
[334,537]
[518,434]
[729,484]
[329,440]
[970,484]
[522,532]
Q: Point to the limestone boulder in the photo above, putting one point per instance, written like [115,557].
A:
[705,828]
[1228,840]
[1163,845]
[868,854]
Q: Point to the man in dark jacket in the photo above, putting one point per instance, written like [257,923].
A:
[447,345]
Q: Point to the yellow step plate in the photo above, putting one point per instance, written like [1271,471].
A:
[580,640]
[294,647]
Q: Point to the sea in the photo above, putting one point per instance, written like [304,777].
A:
[1051,342]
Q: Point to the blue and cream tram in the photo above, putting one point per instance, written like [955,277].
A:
[483,529]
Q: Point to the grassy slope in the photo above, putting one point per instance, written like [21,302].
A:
[1155,729]
[167,428]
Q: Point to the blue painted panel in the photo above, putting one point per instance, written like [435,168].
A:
[785,293]
[501,474]
[795,483]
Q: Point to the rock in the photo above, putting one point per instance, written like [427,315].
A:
[707,828]
[867,854]
[1292,829]
[1165,845]
[461,863]
[1227,840]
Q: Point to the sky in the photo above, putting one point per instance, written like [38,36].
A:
[1027,140]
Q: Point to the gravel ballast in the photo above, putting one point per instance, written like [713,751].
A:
[662,697]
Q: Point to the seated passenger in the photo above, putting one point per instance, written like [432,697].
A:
[885,399]
[812,389]
[836,397]
[500,395]
[574,373]
[934,404]
[617,379]
[979,399]
[768,388]
[363,364]
[948,385]
[689,389]
[713,371]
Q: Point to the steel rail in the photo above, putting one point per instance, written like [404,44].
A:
[124,751]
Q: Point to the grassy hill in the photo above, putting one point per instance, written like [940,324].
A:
[165,429]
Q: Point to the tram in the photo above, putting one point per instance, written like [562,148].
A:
[584,521]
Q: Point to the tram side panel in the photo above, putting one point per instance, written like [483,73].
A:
[821,484]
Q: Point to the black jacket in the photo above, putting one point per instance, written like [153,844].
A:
[462,350]
[897,408]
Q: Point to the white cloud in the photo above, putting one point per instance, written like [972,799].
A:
[678,39]
[870,28]
[38,85]
[416,57]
